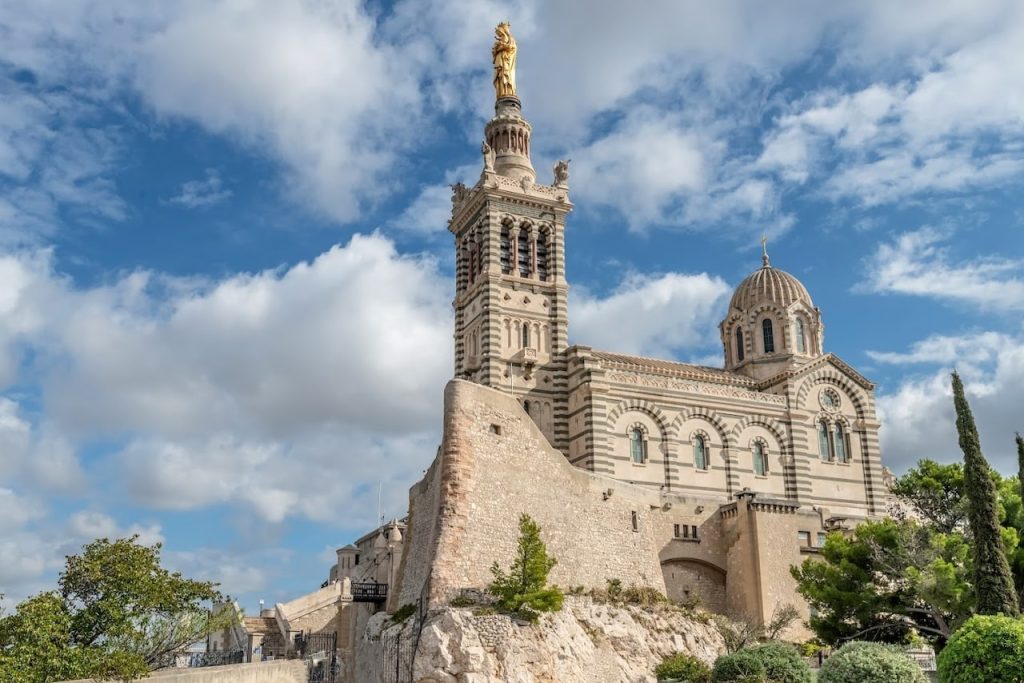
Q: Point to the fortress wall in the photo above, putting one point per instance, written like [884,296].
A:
[420,537]
[493,465]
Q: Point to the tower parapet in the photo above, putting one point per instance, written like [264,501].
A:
[508,135]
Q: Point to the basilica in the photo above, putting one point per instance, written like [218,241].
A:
[705,484]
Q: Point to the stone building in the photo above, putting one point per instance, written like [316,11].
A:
[706,484]
[720,478]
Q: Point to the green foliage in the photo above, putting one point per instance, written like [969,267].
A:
[614,588]
[885,580]
[117,614]
[782,663]
[739,667]
[986,649]
[523,590]
[993,582]
[406,611]
[860,662]
[936,493]
[683,667]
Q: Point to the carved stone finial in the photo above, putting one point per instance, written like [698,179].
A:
[488,153]
[562,173]
[459,193]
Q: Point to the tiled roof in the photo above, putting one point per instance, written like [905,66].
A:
[672,368]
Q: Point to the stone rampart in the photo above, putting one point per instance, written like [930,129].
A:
[493,465]
[293,671]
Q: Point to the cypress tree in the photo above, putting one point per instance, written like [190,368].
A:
[1020,464]
[993,584]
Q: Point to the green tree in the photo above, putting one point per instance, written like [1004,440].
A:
[116,614]
[1020,464]
[935,492]
[993,582]
[886,579]
[524,588]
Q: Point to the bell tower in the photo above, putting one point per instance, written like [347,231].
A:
[510,288]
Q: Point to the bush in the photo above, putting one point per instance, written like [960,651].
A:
[739,667]
[523,590]
[782,663]
[403,613]
[860,662]
[984,650]
[683,667]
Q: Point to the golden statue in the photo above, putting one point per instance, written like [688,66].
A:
[504,56]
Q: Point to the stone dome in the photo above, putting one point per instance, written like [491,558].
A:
[769,285]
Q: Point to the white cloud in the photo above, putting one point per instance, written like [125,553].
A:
[651,315]
[917,264]
[307,82]
[199,193]
[88,525]
[917,415]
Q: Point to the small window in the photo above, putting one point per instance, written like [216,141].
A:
[801,345]
[676,531]
[526,335]
[542,256]
[840,440]
[357,560]
[693,531]
[760,460]
[636,521]
[769,335]
[637,446]
[700,453]
[505,249]
[523,252]
[823,440]
[526,407]
[739,345]
[822,537]
[805,537]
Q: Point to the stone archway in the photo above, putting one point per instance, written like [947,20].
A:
[688,579]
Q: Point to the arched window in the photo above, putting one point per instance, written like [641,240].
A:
[801,344]
[505,251]
[739,345]
[523,252]
[840,440]
[700,453]
[542,256]
[760,459]
[769,336]
[526,407]
[526,335]
[823,440]
[637,446]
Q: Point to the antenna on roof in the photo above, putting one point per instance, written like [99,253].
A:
[380,515]
[764,250]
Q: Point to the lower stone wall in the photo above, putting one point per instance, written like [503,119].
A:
[293,671]
[493,466]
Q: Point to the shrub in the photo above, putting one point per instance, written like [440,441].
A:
[984,650]
[403,613]
[523,590]
[739,667]
[860,662]
[782,663]
[683,667]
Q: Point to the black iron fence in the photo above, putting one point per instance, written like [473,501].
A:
[369,592]
[199,659]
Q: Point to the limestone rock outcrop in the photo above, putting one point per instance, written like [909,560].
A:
[584,643]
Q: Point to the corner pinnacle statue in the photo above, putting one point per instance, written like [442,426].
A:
[504,56]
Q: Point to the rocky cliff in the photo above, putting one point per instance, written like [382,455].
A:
[586,642]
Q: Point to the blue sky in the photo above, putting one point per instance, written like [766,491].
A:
[225,275]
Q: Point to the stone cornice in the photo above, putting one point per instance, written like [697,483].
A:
[493,186]
[806,368]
